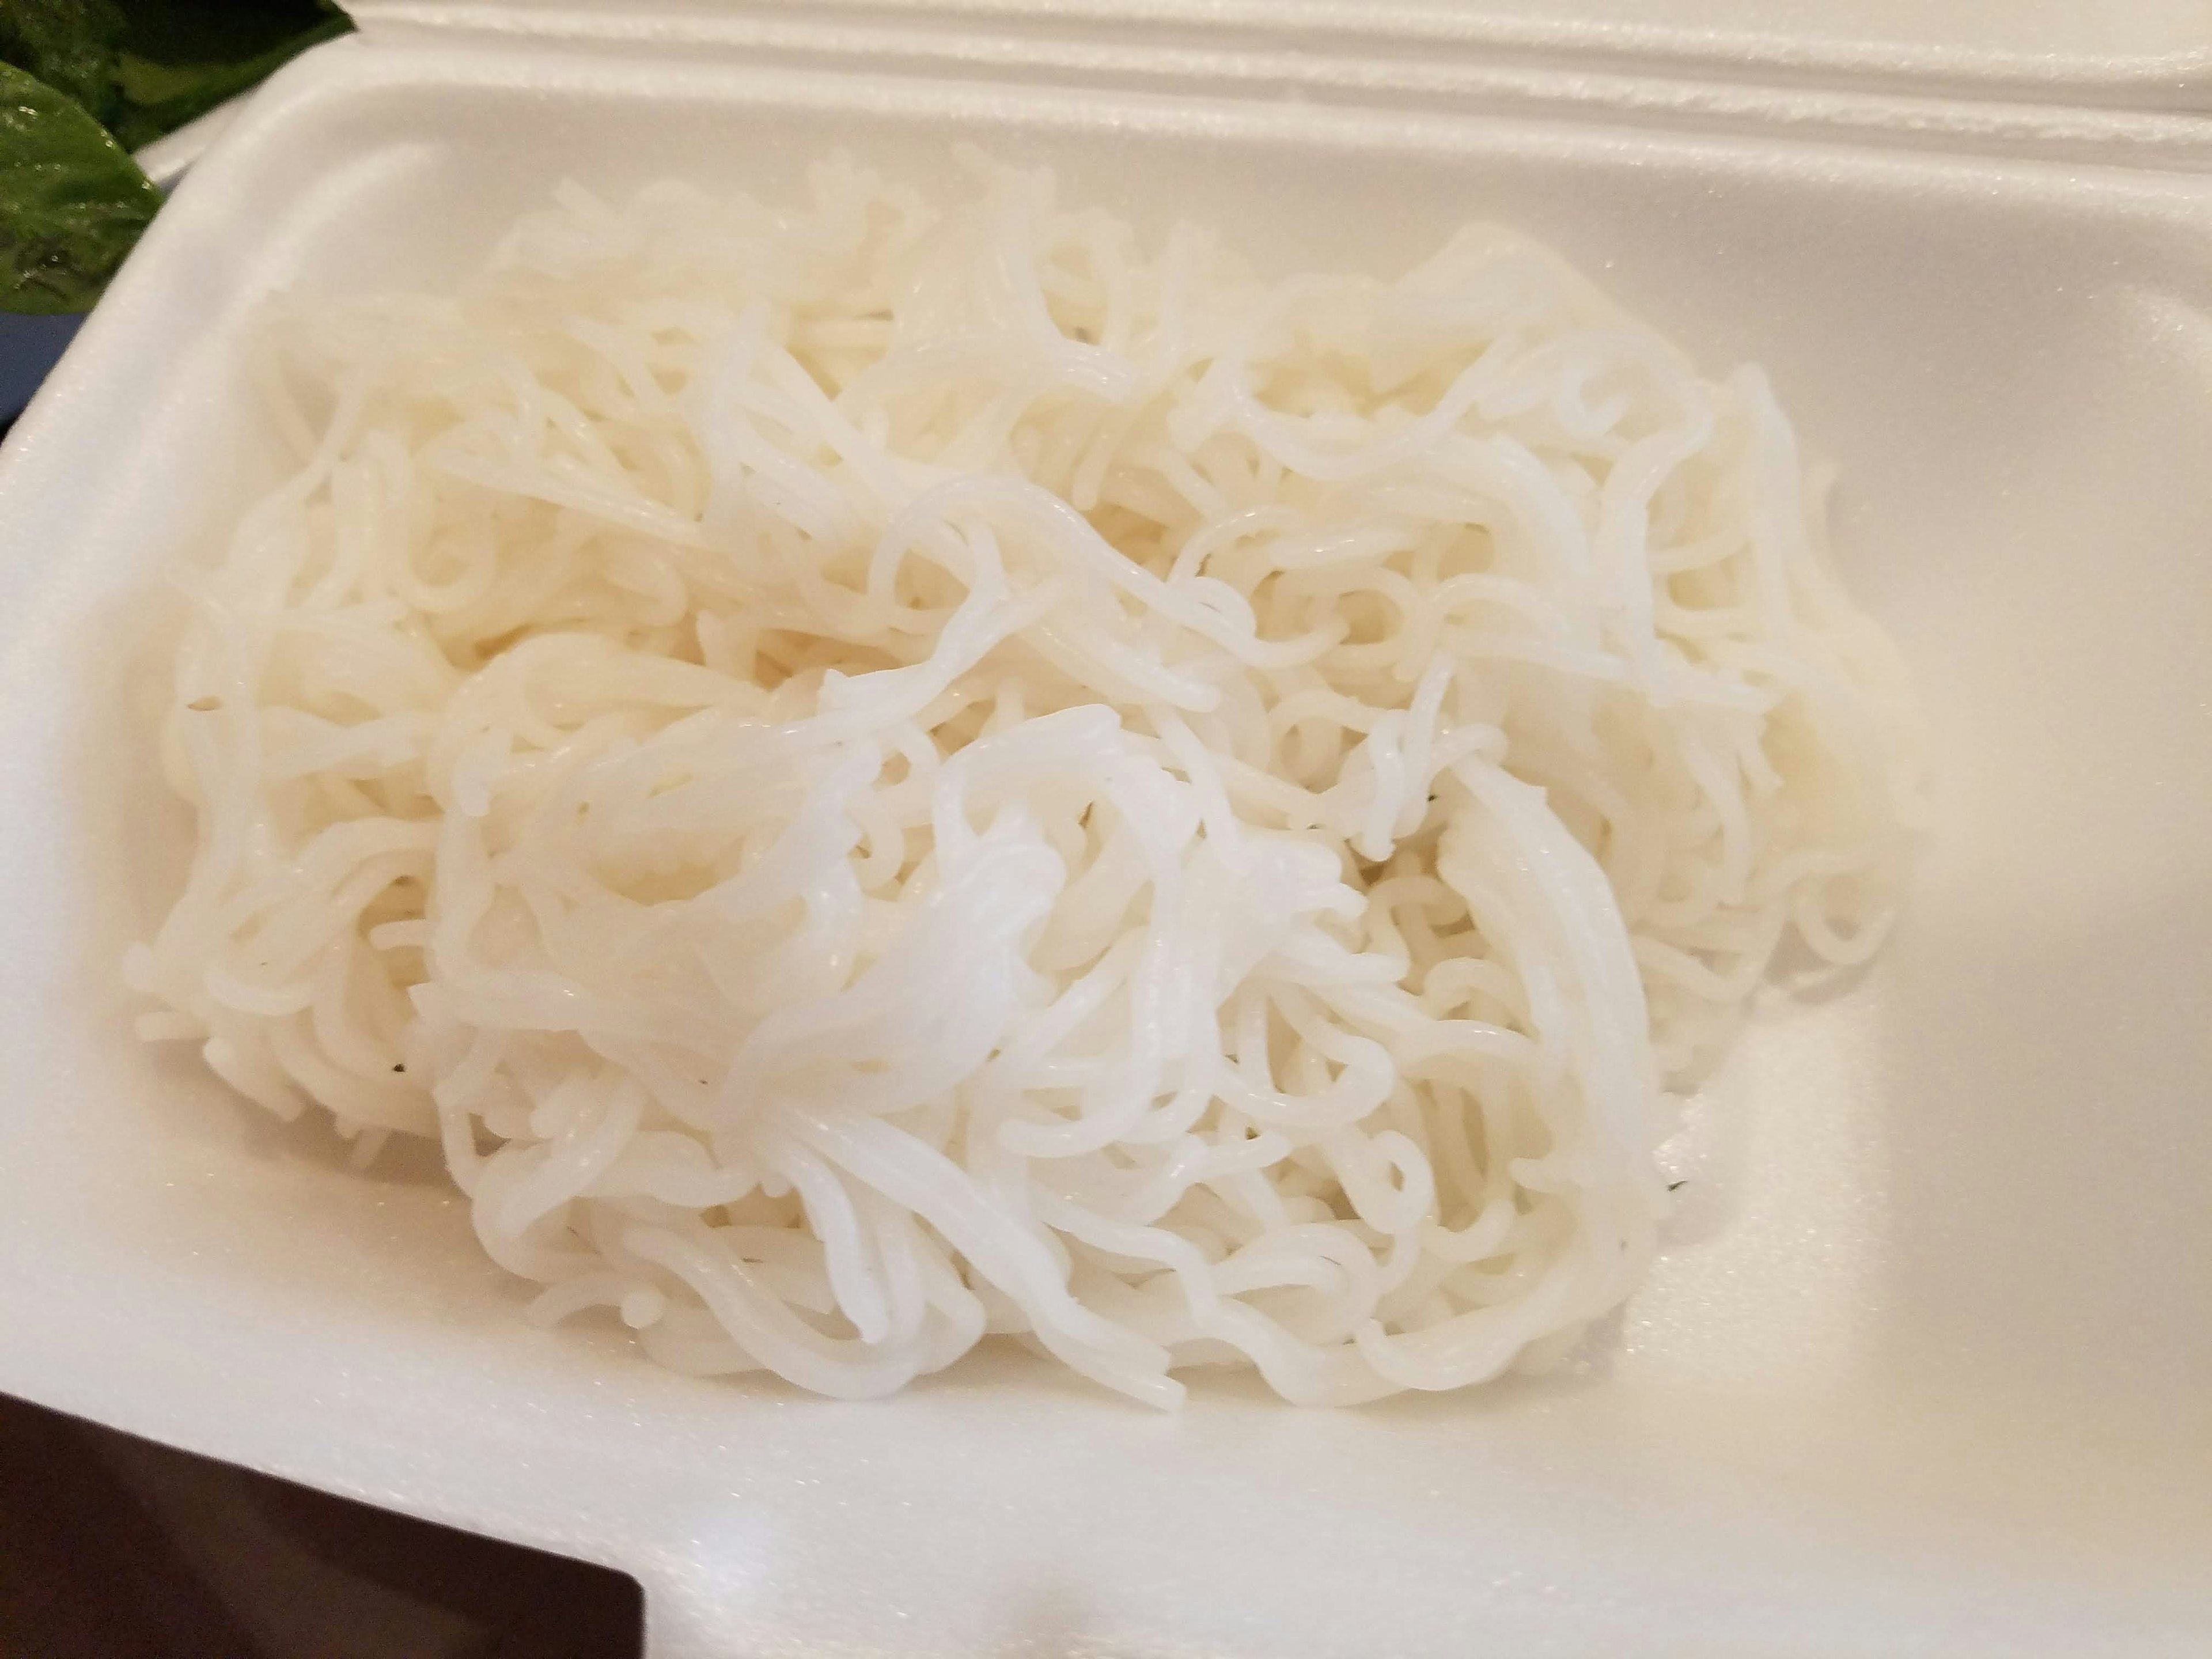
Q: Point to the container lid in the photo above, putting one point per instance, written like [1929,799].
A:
[2139,53]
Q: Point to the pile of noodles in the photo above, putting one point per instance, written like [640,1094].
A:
[880,772]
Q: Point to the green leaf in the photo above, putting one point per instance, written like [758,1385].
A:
[72,202]
[160,97]
[70,45]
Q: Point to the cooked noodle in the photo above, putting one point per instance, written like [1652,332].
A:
[880,774]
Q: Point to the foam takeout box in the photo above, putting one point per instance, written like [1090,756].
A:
[1927,1365]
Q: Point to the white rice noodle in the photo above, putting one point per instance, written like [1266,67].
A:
[876,775]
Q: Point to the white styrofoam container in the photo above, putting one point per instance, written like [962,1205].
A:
[1928,1366]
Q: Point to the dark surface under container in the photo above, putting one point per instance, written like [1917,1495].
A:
[115,1547]
[29,346]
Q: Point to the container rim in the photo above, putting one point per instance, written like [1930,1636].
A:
[2021,51]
